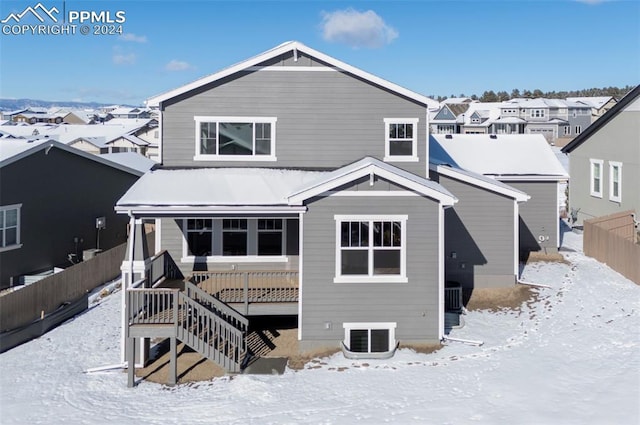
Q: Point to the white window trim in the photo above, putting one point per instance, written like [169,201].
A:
[592,163]
[402,278]
[18,243]
[369,326]
[612,165]
[414,146]
[199,119]
[216,235]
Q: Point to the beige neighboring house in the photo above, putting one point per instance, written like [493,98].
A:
[599,104]
[604,163]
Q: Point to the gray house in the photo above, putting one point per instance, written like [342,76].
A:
[50,197]
[524,162]
[295,184]
[605,162]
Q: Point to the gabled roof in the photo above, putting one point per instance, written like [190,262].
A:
[593,101]
[603,120]
[479,180]
[366,167]
[12,150]
[505,156]
[284,48]
[457,108]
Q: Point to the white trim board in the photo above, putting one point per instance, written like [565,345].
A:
[481,182]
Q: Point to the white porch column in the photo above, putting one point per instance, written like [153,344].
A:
[134,267]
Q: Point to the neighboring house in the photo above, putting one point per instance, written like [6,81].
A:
[33,118]
[80,117]
[447,119]
[50,197]
[524,162]
[130,113]
[599,104]
[604,162]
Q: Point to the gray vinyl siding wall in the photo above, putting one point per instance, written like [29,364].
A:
[324,119]
[479,228]
[539,216]
[413,305]
[617,141]
[61,194]
[171,238]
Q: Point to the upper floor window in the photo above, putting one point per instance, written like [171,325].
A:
[401,139]
[10,227]
[537,113]
[235,138]
[596,177]
[578,129]
[615,181]
[371,248]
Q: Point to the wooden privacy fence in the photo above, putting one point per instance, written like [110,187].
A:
[24,305]
[612,240]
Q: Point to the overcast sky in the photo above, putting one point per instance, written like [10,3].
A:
[431,47]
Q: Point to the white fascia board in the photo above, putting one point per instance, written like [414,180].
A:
[529,178]
[365,170]
[283,48]
[450,172]
[142,210]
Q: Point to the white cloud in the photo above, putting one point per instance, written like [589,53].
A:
[132,37]
[124,59]
[176,65]
[357,29]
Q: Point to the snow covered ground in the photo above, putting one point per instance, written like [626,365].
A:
[571,358]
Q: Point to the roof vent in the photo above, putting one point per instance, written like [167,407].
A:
[448,136]
[493,136]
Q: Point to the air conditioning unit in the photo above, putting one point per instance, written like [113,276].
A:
[90,253]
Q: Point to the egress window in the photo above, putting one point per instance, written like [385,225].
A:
[369,337]
[235,138]
[401,139]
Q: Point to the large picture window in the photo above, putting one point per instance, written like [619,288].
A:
[401,139]
[10,227]
[270,240]
[370,248]
[199,237]
[235,138]
[234,237]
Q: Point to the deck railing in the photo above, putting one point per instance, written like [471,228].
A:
[162,266]
[152,306]
[453,299]
[249,286]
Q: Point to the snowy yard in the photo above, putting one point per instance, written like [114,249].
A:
[571,358]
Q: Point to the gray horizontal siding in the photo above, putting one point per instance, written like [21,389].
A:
[480,230]
[539,216]
[325,119]
[413,305]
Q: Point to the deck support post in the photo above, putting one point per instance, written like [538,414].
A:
[246,293]
[173,361]
[131,362]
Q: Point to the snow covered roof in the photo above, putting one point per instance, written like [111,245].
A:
[458,100]
[479,180]
[12,150]
[132,160]
[506,156]
[295,46]
[215,187]
[595,101]
[509,120]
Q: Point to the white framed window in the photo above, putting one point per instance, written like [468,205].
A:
[233,240]
[615,181]
[537,113]
[235,138]
[596,177]
[370,337]
[567,130]
[10,227]
[371,248]
[401,139]
[578,129]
